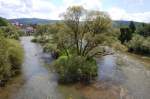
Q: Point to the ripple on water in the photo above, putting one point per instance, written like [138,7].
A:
[119,77]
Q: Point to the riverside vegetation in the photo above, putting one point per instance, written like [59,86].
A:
[11,52]
[75,42]
[81,36]
[136,38]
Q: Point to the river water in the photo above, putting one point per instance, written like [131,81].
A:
[126,76]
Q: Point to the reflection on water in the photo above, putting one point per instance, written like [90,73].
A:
[40,83]
[128,72]
[138,78]
[108,69]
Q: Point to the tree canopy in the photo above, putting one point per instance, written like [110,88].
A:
[83,31]
[132,27]
[3,22]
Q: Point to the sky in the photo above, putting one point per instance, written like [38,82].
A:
[135,10]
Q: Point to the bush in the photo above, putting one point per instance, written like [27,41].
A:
[139,44]
[11,57]
[5,66]
[41,39]
[10,32]
[34,40]
[15,55]
[75,68]
[3,22]
[119,46]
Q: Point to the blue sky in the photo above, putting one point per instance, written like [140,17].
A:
[136,10]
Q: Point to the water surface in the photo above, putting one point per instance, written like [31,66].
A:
[128,72]
[39,82]
[120,76]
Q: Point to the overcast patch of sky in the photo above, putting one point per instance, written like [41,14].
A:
[137,10]
[133,6]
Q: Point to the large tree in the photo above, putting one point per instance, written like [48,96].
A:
[78,39]
[132,27]
[125,35]
[85,30]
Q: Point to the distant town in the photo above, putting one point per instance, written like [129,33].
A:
[27,29]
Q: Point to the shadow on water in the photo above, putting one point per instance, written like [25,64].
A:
[119,77]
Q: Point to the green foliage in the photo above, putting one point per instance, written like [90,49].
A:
[3,22]
[5,66]
[132,27]
[11,52]
[75,68]
[48,47]
[11,57]
[83,36]
[118,46]
[139,44]
[46,29]
[78,41]
[42,29]
[10,32]
[15,53]
[126,35]
[136,40]
[144,30]
[41,39]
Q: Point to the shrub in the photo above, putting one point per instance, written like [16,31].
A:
[10,32]
[119,46]
[34,40]
[3,22]
[5,66]
[15,55]
[41,39]
[11,57]
[139,44]
[75,68]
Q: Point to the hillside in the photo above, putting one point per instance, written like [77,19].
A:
[122,23]
[27,21]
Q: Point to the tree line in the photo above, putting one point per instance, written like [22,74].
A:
[137,39]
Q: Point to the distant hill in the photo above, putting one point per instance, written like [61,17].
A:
[122,23]
[27,21]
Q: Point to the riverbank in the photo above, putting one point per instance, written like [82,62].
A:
[11,59]
[141,58]
[11,87]
[121,76]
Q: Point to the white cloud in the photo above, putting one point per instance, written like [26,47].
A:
[135,2]
[41,8]
[88,4]
[47,9]
[120,14]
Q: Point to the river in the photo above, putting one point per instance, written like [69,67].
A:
[120,76]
